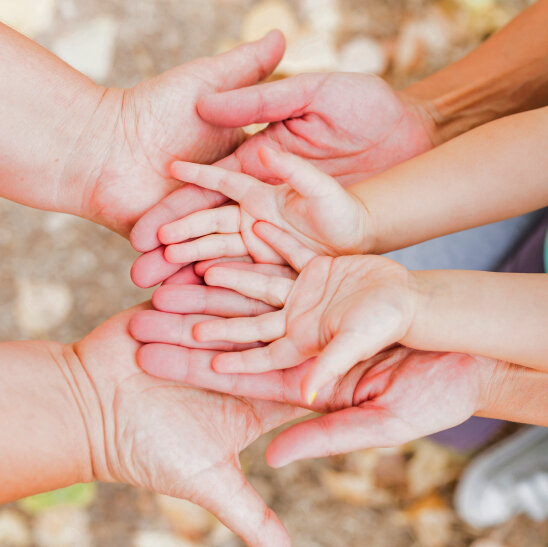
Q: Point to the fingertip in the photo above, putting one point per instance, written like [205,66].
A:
[200,332]
[173,255]
[221,364]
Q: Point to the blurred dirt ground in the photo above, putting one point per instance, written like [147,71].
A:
[61,276]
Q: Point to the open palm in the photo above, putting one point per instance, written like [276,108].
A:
[309,205]
[397,396]
[350,126]
[172,438]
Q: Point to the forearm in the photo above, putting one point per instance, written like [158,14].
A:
[515,393]
[506,74]
[48,142]
[499,315]
[494,172]
[43,439]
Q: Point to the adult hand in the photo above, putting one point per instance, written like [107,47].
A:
[350,126]
[155,123]
[397,396]
[172,438]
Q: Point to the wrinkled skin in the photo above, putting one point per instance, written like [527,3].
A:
[350,126]
[142,130]
[173,438]
[397,396]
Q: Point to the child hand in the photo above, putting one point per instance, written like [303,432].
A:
[309,205]
[340,310]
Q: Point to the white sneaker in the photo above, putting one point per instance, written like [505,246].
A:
[507,479]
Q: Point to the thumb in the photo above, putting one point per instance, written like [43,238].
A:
[356,428]
[246,64]
[240,507]
[270,102]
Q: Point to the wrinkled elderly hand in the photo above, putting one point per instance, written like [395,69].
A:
[172,438]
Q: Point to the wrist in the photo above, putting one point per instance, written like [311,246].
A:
[98,126]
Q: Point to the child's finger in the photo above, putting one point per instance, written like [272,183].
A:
[205,248]
[280,354]
[201,267]
[264,328]
[270,289]
[208,300]
[229,183]
[300,174]
[267,269]
[222,220]
[296,254]
[185,276]
[335,360]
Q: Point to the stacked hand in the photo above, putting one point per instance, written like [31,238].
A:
[310,205]
[372,129]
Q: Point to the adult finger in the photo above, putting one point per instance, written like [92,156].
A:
[270,102]
[152,268]
[245,513]
[355,428]
[155,326]
[207,300]
[246,64]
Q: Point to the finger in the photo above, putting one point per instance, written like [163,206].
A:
[342,353]
[262,328]
[169,328]
[280,354]
[270,102]
[185,276]
[207,300]
[233,185]
[343,431]
[201,267]
[296,254]
[247,64]
[205,248]
[152,268]
[221,220]
[270,289]
[180,203]
[300,174]
[240,507]
[247,265]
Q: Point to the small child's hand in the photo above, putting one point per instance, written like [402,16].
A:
[309,205]
[341,310]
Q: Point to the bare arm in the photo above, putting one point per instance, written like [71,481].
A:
[506,74]
[43,439]
[491,173]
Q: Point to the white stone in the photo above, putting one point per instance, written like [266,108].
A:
[322,15]
[41,306]
[362,55]
[89,47]
[29,17]
[150,538]
[62,526]
[309,52]
[268,15]
[13,530]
